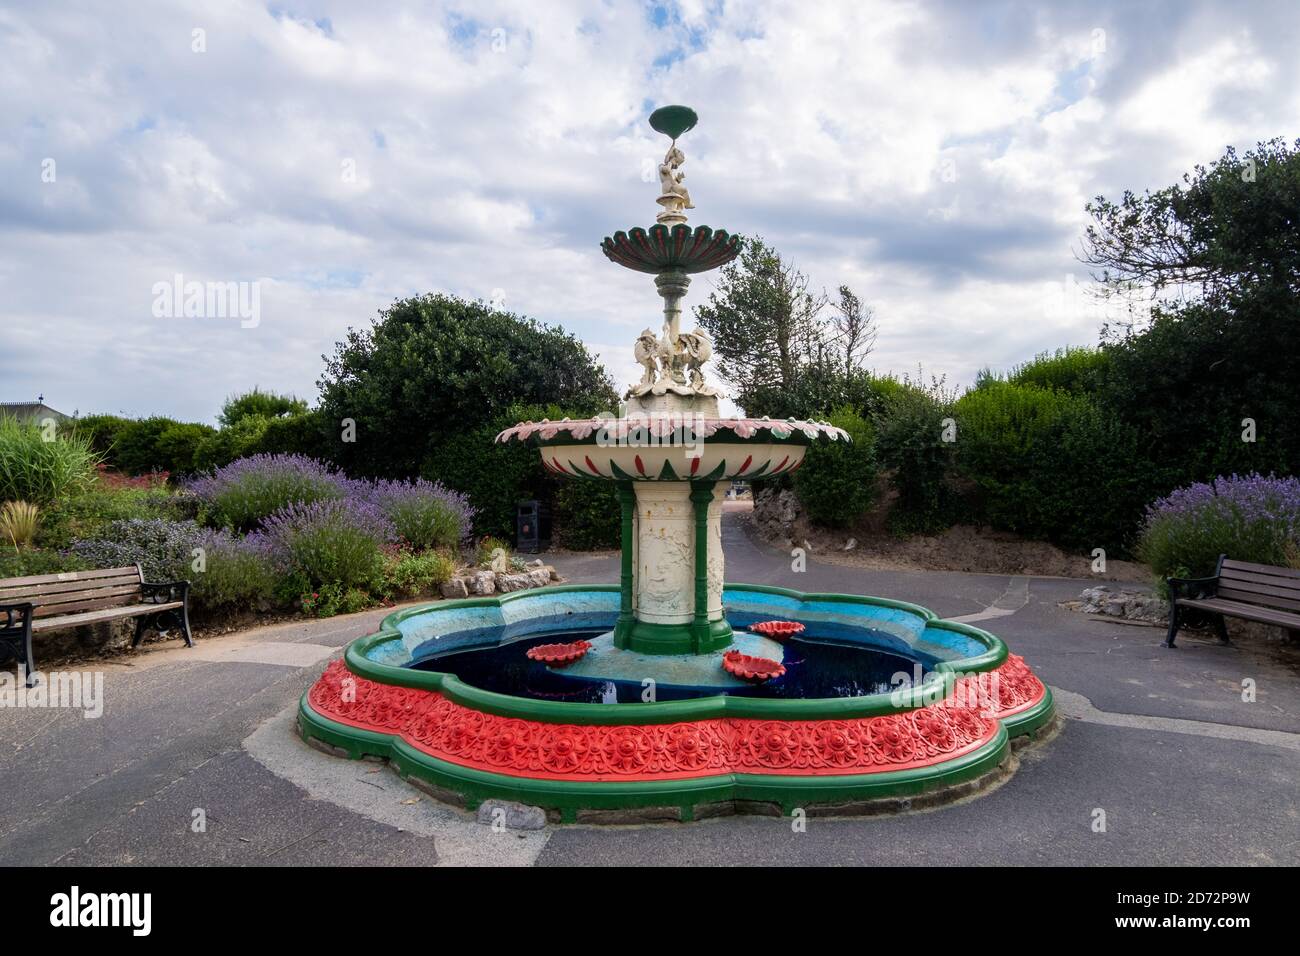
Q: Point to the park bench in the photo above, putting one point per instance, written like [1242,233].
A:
[1252,592]
[47,602]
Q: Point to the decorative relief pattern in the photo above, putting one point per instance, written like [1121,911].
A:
[512,746]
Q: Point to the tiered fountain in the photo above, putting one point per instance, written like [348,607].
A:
[674,694]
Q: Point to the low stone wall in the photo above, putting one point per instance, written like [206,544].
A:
[479,582]
[1126,603]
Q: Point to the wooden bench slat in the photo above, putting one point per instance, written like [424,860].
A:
[1268,569]
[55,610]
[1254,577]
[51,604]
[1253,593]
[108,614]
[1258,600]
[1250,612]
[67,576]
[24,594]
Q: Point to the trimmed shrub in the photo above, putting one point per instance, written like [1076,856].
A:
[158,444]
[586,514]
[87,514]
[163,549]
[999,427]
[30,561]
[910,443]
[1048,464]
[33,469]
[260,404]
[1071,369]
[837,481]
[242,493]
[331,541]
[102,432]
[1248,518]
[243,439]
[303,434]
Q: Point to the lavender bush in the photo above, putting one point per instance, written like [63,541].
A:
[334,541]
[1250,518]
[241,494]
[236,572]
[424,513]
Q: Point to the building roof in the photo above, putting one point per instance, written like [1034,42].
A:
[25,411]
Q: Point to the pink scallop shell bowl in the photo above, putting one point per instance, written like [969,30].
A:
[558,655]
[777,630]
[748,667]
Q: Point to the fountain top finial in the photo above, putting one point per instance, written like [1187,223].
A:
[673,121]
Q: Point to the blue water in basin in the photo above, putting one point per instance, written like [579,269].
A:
[817,666]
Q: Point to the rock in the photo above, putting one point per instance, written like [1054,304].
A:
[539,577]
[775,514]
[1122,603]
[511,815]
[482,582]
[455,588]
[513,582]
[536,563]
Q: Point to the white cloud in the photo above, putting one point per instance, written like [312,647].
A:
[934,156]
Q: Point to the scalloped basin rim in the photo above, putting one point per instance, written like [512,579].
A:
[938,685]
[738,431]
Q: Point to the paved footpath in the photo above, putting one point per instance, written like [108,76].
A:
[1185,771]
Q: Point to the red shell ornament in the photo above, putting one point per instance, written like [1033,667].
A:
[778,630]
[748,667]
[558,655]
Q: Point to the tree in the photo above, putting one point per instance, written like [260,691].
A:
[1230,230]
[855,330]
[1220,254]
[775,344]
[433,367]
[259,403]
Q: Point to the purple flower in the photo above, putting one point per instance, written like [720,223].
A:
[1247,517]
[242,493]
[426,514]
[329,542]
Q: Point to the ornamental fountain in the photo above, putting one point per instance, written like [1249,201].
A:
[676,695]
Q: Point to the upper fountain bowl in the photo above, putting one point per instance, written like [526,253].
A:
[679,249]
[672,448]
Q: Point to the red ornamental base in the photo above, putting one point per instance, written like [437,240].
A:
[431,723]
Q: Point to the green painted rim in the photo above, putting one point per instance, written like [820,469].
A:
[788,792]
[933,689]
[1030,720]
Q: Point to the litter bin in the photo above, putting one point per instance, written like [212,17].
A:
[532,527]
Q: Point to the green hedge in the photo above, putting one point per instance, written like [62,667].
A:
[837,482]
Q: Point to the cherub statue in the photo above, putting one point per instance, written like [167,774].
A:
[646,352]
[674,197]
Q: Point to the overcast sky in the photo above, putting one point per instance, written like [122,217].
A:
[936,157]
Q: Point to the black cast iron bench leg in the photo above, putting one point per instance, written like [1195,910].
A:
[1175,622]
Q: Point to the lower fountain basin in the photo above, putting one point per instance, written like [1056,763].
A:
[881,701]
